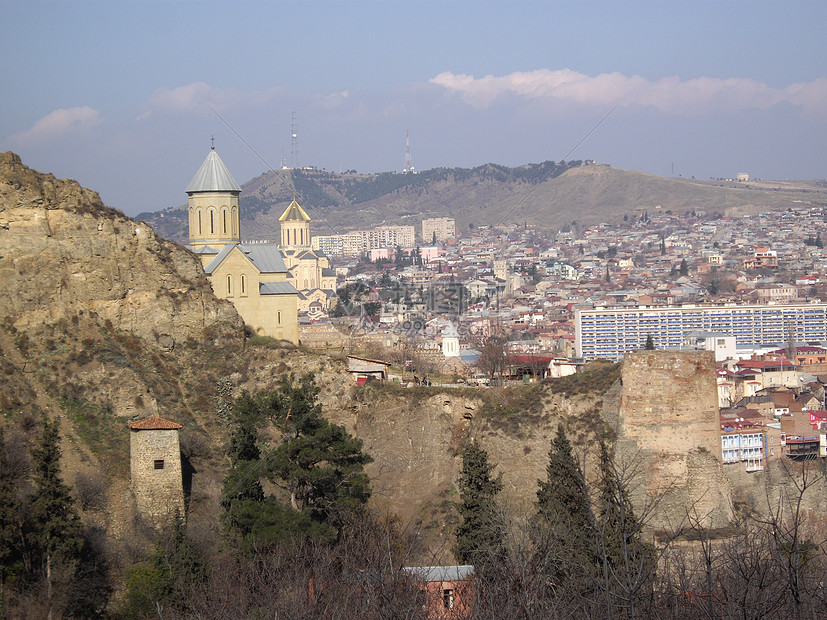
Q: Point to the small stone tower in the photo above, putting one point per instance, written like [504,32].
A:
[155,463]
[213,205]
[295,227]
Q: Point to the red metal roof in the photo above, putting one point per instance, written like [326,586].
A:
[154,423]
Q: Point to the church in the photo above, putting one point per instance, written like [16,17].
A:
[309,269]
[253,276]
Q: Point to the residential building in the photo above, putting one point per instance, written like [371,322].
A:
[611,332]
[438,229]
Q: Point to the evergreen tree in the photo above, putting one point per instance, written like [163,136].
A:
[165,579]
[480,536]
[626,561]
[242,486]
[56,529]
[650,343]
[564,531]
[318,464]
[684,268]
[11,549]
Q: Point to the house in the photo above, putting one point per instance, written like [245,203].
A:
[362,368]
[446,590]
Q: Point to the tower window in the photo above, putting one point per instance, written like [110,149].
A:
[224,218]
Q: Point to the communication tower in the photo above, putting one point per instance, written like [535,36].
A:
[409,167]
[294,136]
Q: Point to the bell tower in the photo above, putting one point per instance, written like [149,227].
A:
[295,227]
[213,205]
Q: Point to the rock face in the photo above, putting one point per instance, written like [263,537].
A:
[668,437]
[62,250]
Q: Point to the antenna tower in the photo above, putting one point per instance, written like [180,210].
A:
[409,167]
[294,136]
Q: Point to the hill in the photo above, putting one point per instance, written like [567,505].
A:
[549,195]
[104,322]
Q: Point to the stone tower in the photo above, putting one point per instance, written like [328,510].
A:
[295,227]
[668,436]
[155,464]
[213,205]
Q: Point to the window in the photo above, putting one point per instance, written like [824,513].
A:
[224,218]
[212,222]
[243,284]
[229,285]
[279,317]
[448,598]
[159,463]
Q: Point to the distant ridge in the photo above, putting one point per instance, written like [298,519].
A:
[549,195]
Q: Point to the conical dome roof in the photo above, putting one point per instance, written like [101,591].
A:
[213,176]
[294,213]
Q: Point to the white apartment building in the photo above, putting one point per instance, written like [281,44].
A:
[611,332]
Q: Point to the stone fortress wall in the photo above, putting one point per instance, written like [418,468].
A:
[665,414]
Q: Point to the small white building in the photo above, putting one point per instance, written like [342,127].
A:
[723,345]
[450,341]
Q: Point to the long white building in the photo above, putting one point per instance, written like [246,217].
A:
[610,332]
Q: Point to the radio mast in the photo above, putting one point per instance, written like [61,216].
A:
[294,136]
[409,167]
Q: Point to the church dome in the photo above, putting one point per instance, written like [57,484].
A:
[213,176]
[294,213]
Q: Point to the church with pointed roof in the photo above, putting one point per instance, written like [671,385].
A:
[253,276]
[309,269]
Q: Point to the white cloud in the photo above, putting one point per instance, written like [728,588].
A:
[58,123]
[199,97]
[670,95]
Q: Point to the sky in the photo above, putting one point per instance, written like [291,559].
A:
[125,96]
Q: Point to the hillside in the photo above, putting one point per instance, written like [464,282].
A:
[549,195]
[104,322]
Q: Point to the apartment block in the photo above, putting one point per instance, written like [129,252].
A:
[610,332]
[439,228]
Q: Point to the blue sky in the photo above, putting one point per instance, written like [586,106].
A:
[124,95]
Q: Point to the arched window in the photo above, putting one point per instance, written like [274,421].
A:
[279,317]
[198,215]
[243,284]
[224,218]
[234,223]
[212,222]
[229,285]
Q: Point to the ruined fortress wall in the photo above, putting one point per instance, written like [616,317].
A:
[668,433]
[159,493]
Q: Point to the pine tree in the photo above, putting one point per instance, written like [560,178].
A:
[684,268]
[57,532]
[480,536]
[626,561]
[242,486]
[319,465]
[11,551]
[650,343]
[564,530]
